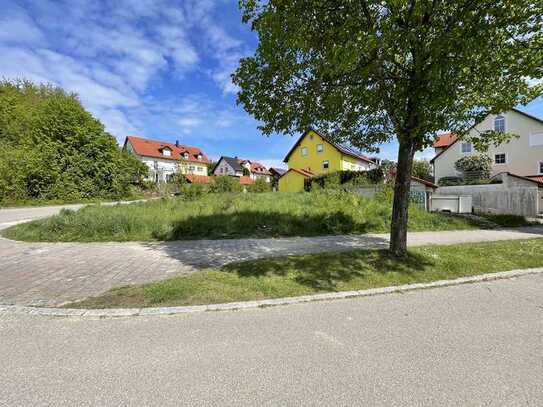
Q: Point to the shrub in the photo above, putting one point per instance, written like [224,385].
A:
[225,183]
[336,179]
[476,168]
[191,192]
[53,149]
[422,169]
[450,181]
[260,185]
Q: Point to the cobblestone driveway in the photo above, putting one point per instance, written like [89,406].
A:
[50,274]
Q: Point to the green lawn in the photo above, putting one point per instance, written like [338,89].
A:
[316,273]
[219,216]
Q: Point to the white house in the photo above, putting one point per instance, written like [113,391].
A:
[165,159]
[522,156]
[247,170]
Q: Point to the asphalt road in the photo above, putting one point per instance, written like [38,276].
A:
[470,345]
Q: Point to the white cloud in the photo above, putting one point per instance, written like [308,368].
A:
[426,154]
[272,162]
[112,54]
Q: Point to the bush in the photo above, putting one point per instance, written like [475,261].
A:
[422,169]
[224,183]
[450,181]
[191,192]
[260,185]
[336,179]
[476,168]
[53,149]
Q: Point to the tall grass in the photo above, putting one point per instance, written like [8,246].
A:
[216,216]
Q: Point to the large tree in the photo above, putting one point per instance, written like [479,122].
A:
[51,148]
[368,71]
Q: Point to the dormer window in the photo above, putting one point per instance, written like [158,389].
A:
[166,151]
[186,155]
[499,124]
[199,157]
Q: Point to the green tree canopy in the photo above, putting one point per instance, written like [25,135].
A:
[368,71]
[475,168]
[422,169]
[52,148]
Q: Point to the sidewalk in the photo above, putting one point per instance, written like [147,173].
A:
[50,274]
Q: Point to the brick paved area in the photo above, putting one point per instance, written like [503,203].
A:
[54,273]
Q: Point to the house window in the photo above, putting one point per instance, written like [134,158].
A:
[167,152]
[199,157]
[540,167]
[320,148]
[500,158]
[536,139]
[199,169]
[466,147]
[191,168]
[499,124]
[304,151]
[325,165]
[186,156]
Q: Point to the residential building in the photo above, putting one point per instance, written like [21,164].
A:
[247,170]
[164,159]
[315,153]
[277,172]
[522,156]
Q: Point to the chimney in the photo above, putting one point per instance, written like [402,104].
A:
[177,143]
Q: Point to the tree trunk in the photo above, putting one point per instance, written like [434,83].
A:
[400,207]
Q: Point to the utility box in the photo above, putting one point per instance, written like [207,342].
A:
[451,203]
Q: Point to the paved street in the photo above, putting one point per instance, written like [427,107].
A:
[469,345]
[50,274]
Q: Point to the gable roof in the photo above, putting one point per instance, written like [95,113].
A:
[536,179]
[237,165]
[445,140]
[256,167]
[153,148]
[301,171]
[340,147]
[277,171]
[513,109]
[231,161]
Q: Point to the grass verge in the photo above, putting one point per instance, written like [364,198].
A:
[220,216]
[326,272]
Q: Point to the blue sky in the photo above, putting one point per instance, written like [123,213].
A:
[155,68]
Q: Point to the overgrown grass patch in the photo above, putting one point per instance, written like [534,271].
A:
[326,272]
[219,216]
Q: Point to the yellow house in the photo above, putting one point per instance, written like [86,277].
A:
[315,154]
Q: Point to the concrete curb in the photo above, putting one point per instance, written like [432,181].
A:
[132,312]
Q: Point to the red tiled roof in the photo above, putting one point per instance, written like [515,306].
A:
[538,178]
[392,174]
[445,140]
[198,178]
[256,167]
[423,181]
[153,148]
[245,180]
[305,173]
